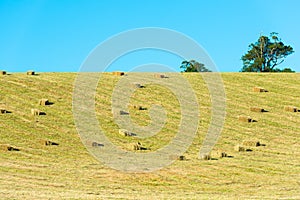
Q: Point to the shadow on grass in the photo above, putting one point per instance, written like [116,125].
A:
[49,103]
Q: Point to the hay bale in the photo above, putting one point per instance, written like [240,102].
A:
[239,148]
[181,158]
[251,143]
[219,154]
[245,119]
[222,154]
[122,112]
[138,147]
[137,85]
[160,76]
[96,144]
[35,112]
[136,107]
[125,132]
[205,157]
[259,89]
[48,143]
[118,73]
[290,109]
[6,147]
[3,73]
[30,72]
[2,111]
[135,147]
[44,102]
[176,157]
[256,109]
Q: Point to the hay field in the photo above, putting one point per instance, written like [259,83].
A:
[68,171]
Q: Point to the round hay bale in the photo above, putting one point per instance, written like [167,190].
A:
[245,119]
[3,73]
[256,109]
[43,102]
[125,132]
[176,157]
[290,109]
[96,144]
[48,143]
[137,107]
[205,157]
[160,76]
[30,72]
[137,85]
[181,158]
[136,147]
[122,112]
[3,147]
[222,154]
[6,147]
[251,143]
[259,89]
[35,112]
[239,148]
[118,73]
[2,111]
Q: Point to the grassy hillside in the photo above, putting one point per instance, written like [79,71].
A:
[68,171]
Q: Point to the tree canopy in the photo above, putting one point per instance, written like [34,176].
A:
[193,66]
[265,54]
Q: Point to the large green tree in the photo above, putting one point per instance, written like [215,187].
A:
[193,66]
[265,54]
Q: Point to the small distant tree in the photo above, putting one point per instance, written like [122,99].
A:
[193,66]
[266,54]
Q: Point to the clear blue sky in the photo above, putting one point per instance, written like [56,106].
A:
[57,35]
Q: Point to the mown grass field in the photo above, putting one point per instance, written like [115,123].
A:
[68,171]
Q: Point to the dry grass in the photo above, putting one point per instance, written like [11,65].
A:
[68,171]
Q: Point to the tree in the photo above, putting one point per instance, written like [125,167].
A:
[193,66]
[265,54]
